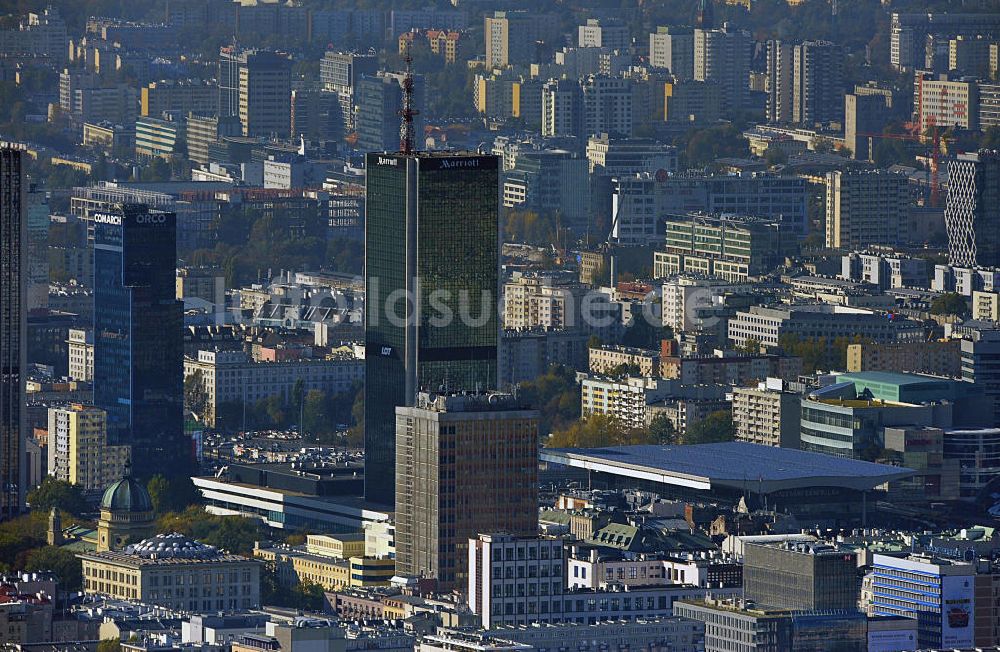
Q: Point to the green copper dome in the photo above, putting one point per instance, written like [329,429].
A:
[127,495]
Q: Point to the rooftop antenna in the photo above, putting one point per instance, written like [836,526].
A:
[406,135]
[705,17]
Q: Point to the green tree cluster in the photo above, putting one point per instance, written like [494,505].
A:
[949,303]
[775,156]
[819,353]
[19,537]
[702,146]
[356,435]
[529,227]
[715,427]
[251,241]
[60,561]
[233,533]
[625,369]
[156,170]
[556,395]
[23,548]
[171,494]
[304,596]
[321,412]
[661,430]
[597,430]
[57,493]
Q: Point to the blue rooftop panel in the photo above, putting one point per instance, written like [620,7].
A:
[734,463]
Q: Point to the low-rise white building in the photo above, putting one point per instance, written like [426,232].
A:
[234,377]
[812,321]
[81,354]
[515,581]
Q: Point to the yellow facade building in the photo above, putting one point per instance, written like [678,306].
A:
[78,449]
[333,562]
[175,572]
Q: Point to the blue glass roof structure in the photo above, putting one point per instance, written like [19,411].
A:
[762,469]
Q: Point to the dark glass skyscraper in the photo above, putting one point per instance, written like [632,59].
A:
[432,235]
[138,346]
[13,329]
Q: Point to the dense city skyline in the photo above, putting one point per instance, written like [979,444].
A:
[482,326]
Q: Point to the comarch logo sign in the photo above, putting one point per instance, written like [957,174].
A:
[108,218]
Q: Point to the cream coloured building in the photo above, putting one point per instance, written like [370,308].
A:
[322,561]
[985,305]
[78,447]
[545,302]
[603,359]
[865,208]
[623,399]
[81,354]
[767,414]
[175,572]
[341,546]
[234,377]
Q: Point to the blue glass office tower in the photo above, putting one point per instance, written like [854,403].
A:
[138,345]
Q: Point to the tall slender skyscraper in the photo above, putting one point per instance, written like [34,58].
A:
[972,214]
[818,83]
[254,86]
[804,82]
[230,59]
[13,329]
[138,346]
[431,266]
[722,56]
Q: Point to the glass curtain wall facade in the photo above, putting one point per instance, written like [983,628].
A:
[431,276]
[13,328]
[138,346]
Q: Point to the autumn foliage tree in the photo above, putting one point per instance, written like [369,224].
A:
[597,430]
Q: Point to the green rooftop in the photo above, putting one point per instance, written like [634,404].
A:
[906,388]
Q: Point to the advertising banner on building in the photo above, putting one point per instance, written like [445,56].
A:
[957,611]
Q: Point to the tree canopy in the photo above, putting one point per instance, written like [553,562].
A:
[703,146]
[171,494]
[715,427]
[233,533]
[306,596]
[251,240]
[556,395]
[64,563]
[60,494]
[949,303]
[19,536]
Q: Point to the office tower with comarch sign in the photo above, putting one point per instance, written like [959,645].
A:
[138,331]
